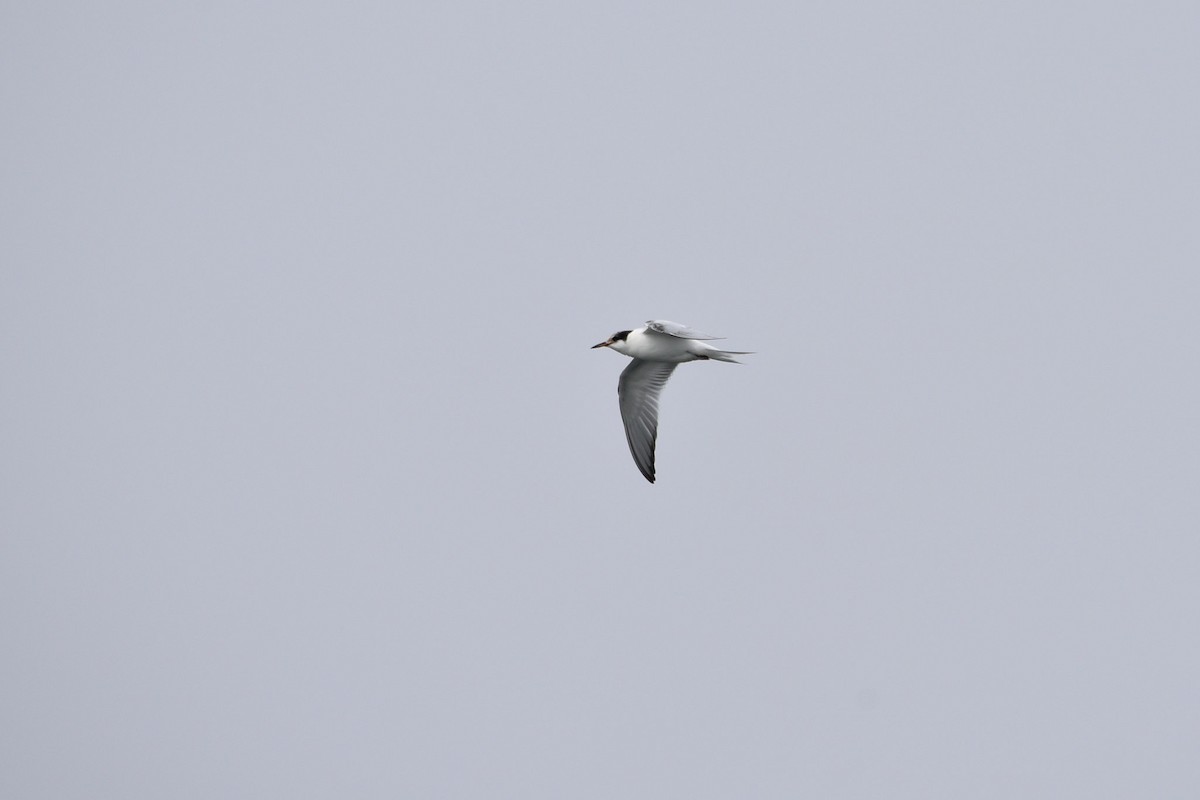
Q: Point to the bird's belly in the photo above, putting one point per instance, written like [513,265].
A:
[673,351]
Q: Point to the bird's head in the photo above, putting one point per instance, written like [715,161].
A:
[619,336]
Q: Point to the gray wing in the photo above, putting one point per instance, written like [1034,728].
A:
[638,390]
[676,330]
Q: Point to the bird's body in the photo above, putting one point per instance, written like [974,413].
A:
[656,349]
[650,346]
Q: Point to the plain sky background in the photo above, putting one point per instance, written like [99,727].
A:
[312,488]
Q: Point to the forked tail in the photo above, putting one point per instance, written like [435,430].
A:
[727,355]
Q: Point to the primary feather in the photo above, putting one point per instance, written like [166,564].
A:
[676,330]
[640,385]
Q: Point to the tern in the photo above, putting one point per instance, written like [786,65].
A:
[656,349]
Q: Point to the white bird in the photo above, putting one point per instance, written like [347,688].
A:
[655,349]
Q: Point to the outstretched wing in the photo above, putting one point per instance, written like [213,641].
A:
[638,389]
[676,330]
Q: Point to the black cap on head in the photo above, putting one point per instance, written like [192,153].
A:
[621,336]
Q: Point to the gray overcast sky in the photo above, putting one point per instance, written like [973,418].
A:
[312,487]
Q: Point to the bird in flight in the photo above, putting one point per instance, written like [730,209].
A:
[656,349]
